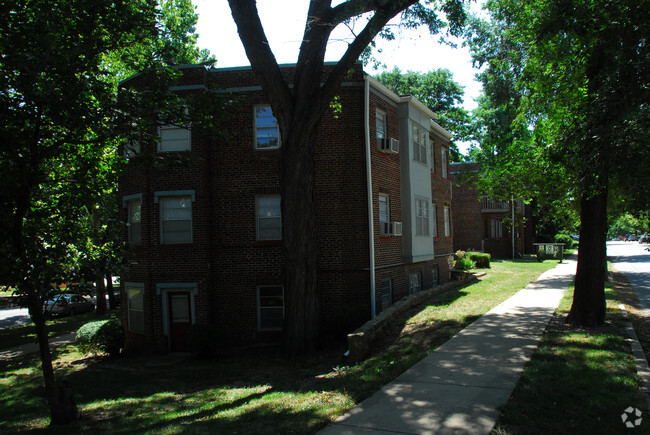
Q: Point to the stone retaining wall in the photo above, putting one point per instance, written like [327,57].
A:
[360,340]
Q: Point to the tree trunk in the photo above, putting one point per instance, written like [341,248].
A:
[588,307]
[63,409]
[111,293]
[100,293]
[300,241]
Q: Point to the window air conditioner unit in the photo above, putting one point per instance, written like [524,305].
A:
[397,228]
[394,146]
[389,146]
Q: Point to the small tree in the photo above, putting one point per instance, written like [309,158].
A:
[62,122]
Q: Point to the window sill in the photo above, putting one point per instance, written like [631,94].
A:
[267,243]
[176,245]
[387,238]
[269,152]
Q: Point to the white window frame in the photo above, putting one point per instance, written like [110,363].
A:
[181,143]
[433,157]
[261,307]
[386,293]
[381,121]
[447,221]
[382,197]
[435,277]
[496,228]
[135,290]
[420,138]
[444,161]
[131,149]
[161,198]
[421,217]
[256,128]
[415,282]
[434,218]
[277,217]
[128,202]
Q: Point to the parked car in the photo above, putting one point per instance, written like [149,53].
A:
[67,304]
[644,239]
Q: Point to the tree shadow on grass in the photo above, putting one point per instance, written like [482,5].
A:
[577,382]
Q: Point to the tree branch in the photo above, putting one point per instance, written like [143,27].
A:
[258,51]
[381,17]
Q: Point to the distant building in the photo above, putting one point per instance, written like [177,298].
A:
[206,235]
[482,224]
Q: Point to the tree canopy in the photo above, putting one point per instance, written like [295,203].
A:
[63,119]
[566,113]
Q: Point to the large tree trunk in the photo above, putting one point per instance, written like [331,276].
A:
[300,242]
[100,294]
[63,409]
[110,291]
[588,307]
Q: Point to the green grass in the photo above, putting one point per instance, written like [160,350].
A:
[18,335]
[579,381]
[247,392]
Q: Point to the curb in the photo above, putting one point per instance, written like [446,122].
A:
[642,367]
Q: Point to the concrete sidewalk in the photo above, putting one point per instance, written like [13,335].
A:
[14,352]
[459,387]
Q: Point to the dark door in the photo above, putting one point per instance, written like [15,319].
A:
[180,320]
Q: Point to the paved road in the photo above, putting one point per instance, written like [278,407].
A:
[632,259]
[13,317]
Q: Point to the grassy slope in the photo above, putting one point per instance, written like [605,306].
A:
[255,392]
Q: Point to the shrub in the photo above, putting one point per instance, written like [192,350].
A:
[465,263]
[481,259]
[564,238]
[102,336]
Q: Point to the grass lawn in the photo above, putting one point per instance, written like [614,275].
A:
[23,334]
[247,392]
[579,381]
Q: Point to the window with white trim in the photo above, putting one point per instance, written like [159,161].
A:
[420,138]
[415,282]
[434,218]
[444,162]
[173,138]
[421,217]
[270,307]
[435,277]
[175,219]
[496,228]
[380,124]
[386,293]
[384,214]
[433,158]
[269,217]
[131,149]
[134,220]
[447,222]
[135,307]
[267,131]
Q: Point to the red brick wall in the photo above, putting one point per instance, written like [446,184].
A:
[227,262]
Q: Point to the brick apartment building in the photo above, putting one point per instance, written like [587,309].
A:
[206,235]
[482,224]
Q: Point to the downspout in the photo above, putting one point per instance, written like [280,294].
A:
[371,221]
